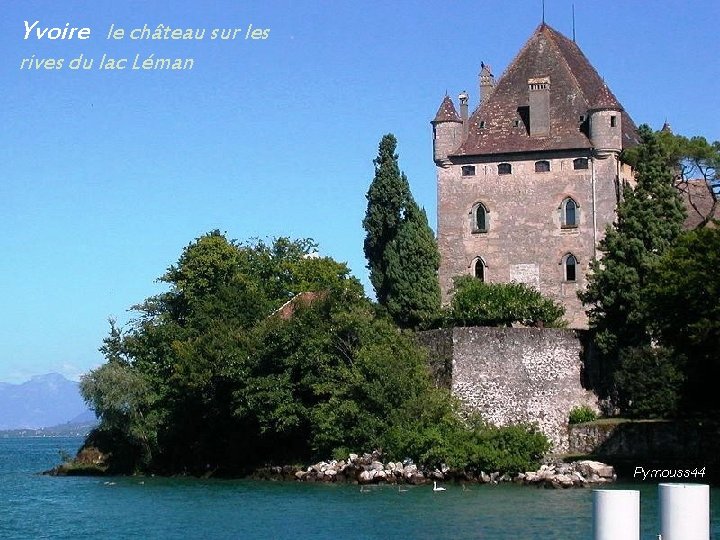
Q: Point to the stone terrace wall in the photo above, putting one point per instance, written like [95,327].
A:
[512,375]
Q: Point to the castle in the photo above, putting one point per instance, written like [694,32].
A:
[527,183]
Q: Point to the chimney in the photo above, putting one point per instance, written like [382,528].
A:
[539,89]
[463,98]
[487,82]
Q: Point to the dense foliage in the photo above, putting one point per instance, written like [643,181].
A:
[684,292]
[649,219]
[412,261]
[399,245]
[266,353]
[694,163]
[476,303]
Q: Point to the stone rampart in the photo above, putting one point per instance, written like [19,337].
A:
[512,375]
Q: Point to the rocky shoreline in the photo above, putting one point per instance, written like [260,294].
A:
[370,469]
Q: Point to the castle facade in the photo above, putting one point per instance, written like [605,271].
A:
[527,183]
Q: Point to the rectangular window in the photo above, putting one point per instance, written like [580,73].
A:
[468,170]
[542,166]
[580,163]
[613,121]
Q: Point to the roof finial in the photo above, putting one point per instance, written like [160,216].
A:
[573,13]
[543,11]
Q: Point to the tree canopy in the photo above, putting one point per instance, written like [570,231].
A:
[399,245]
[684,293]
[212,377]
[649,219]
[694,164]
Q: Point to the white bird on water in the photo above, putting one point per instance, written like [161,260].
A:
[436,488]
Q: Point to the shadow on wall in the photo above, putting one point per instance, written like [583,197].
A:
[665,445]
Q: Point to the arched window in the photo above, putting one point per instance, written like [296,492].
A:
[580,163]
[479,218]
[504,168]
[570,213]
[570,265]
[542,166]
[479,268]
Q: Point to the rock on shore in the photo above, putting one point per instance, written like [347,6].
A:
[370,469]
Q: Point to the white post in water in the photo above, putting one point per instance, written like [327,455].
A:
[684,511]
[616,514]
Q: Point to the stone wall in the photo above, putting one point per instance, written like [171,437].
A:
[512,375]
[652,444]
[439,344]
[636,440]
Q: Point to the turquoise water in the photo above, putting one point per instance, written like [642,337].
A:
[35,506]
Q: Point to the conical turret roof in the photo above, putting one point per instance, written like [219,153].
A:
[447,112]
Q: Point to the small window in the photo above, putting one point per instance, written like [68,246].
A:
[613,121]
[570,264]
[482,124]
[468,170]
[479,216]
[479,269]
[504,168]
[516,123]
[580,163]
[570,213]
[542,166]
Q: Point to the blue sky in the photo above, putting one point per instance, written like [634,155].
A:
[106,176]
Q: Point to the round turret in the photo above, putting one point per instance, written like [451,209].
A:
[447,131]
[606,131]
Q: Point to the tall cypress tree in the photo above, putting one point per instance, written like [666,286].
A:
[387,198]
[412,262]
[650,217]
[399,245]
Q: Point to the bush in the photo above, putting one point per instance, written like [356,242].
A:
[473,445]
[578,415]
[476,303]
[649,382]
[506,449]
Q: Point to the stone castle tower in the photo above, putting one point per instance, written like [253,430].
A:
[528,182]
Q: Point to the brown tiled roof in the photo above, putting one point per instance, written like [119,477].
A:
[447,112]
[575,89]
[303,299]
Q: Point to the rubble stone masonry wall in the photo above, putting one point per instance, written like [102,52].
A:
[512,375]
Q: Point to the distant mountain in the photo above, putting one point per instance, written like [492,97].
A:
[44,400]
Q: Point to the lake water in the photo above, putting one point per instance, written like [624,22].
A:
[36,506]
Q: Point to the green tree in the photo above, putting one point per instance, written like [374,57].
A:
[123,401]
[695,163]
[399,245]
[684,294]
[187,352]
[476,303]
[412,262]
[649,218]
[388,197]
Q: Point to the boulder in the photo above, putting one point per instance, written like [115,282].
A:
[364,477]
[589,468]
